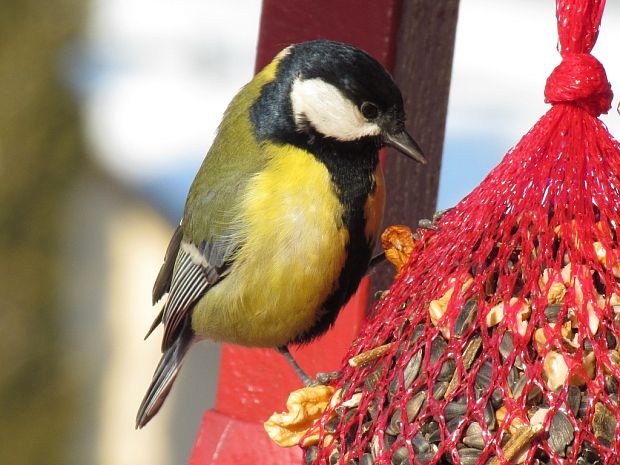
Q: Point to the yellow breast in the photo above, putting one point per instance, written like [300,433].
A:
[294,248]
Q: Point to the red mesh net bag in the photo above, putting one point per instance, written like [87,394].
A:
[499,340]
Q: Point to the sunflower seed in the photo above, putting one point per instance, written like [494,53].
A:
[611,385]
[561,433]
[455,408]
[497,398]
[366,459]
[400,456]
[469,455]
[534,395]
[332,424]
[489,416]
[517,387]
[440,389]
[425,457]
[446,459]
[419,444]
[470,352]
[588,455]
[519,363]
[311,454]
[348,420]
[334,456]
[447,370]
[516,381]
[373,378]
[483,377]
[438,347]
[603,424]
[583,406]
[410,373]
[431,431]
[395,425]
[453,424]
[366,426]
[417,332]
[473,436]
[454,382]
[573,399]
[506,346]
[373,409]
[375,449]
[551,312]
[413,368]
[465,317]
[414,405]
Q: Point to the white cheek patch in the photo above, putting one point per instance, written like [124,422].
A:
[329,111]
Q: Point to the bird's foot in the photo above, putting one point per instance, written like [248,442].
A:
[426,223]
[321,378]
[327,377]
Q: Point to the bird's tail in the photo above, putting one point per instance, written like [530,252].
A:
[164,376]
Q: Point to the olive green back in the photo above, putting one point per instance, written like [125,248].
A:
[232,160]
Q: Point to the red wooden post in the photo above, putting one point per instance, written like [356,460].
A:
[255,382]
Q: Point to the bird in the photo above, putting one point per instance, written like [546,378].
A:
[282,217]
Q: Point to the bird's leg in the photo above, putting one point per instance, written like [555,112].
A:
[300,372]
[376,260]
[425,223]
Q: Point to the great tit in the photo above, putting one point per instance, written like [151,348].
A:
[281,219]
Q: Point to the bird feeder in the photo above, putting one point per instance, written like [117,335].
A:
[498,343]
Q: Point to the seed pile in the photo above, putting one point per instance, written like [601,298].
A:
[482,377]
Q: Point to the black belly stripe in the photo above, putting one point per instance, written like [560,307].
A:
[352,168]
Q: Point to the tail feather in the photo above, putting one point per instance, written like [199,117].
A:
[164,376]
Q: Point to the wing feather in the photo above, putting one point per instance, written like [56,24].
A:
[189,283]
[162,282]
[195,270]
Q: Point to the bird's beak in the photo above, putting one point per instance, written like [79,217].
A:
[405,144]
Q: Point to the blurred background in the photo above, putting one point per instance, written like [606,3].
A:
[108,107]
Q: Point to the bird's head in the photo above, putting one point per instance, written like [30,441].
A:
[325,91]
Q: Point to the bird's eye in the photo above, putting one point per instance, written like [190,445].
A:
[369,110]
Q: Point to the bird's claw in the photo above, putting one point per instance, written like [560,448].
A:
[327,377]
[425,223]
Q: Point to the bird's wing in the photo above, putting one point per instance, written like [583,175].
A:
[188,271]
[164,277]
[200,252]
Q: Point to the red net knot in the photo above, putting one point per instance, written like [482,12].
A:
[580,79]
